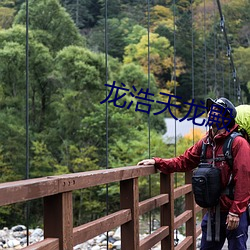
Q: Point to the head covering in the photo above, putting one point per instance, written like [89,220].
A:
[223,103]
[243,117]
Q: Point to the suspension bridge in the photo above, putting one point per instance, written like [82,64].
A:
[56,192]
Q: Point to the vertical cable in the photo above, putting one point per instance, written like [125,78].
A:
[229,83]
[192,28]
[215,52]
[223,79]
[222,69]
[175,92]
[174,75]
[149,149]
[27,207]
[205,51]
[106,80]
[230,57]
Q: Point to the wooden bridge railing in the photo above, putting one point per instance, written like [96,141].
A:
[56,192]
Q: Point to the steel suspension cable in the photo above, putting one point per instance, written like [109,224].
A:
[174,73]
[107,121]
[229,54]
[149,123]
[215,52]
[221,47]
[192,76]
[205,51]
[27,207]
[175,93]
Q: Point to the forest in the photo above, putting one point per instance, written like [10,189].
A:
[77,50]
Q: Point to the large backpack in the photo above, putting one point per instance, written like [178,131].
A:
[206,180]
[206,193]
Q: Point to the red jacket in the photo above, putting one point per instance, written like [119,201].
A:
[241,167]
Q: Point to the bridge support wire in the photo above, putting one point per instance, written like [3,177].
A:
[27,204]
[236,82]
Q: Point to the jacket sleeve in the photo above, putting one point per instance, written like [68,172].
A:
[185,162]
[241,175]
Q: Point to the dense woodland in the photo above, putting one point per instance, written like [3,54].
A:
[75,48]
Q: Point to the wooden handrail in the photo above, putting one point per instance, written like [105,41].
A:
[56,191]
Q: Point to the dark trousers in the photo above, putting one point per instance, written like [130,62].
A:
[237,238]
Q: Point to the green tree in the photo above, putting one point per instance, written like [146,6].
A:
[6,17]
[241,56]
[53,25]
[117,32]
[84,13]
[161,57]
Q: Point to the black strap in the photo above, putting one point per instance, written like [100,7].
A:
[227,151]
[203,152]
[227,148]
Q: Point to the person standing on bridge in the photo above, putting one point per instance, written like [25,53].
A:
[233,210]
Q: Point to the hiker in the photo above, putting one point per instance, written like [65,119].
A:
[232,203]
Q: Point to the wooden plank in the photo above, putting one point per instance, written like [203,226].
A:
[182,218]
[152,203]
[178,192]
[90,230]
[198,208]
[190,205]
[58,219]
[46,244]
[129,196]
[94,178]
[198,231]
[154,238]
[185,244]
[24,190]
[167,210]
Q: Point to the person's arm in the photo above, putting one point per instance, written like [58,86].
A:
[146,162]
[241,175]
[185,162]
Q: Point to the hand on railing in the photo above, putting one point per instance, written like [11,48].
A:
[146,162]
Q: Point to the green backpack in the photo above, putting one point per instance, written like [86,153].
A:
[243,119]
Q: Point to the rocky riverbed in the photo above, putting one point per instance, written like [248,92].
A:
[16,238]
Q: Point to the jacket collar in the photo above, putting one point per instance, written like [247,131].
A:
[221,136]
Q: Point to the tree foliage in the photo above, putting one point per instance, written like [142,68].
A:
[70,130]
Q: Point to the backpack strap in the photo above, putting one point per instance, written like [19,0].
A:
[203,152]
[227,148]
[227,151]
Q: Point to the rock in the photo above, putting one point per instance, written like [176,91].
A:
[111,239]
[111,233]
[38,232]
[18,228]
[18,247]
[91,242]
[117,235]
[3,233]
[95,248]
[13,243]
[117,244]
[100,238]
[80,246]
[103,243]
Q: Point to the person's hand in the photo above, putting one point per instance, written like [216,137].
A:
[232,221]
[146,162]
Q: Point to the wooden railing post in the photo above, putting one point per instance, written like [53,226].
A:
[167,210]
[129,198]
[58,219]
[190,205]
